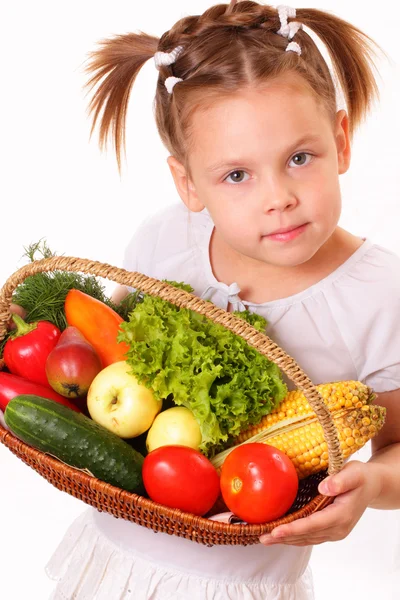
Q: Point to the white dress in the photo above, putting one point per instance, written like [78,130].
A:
[341,328]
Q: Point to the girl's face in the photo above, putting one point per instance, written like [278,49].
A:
[265,164]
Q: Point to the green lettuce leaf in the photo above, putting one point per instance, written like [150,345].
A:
[185,357]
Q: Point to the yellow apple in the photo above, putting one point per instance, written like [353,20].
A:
[174,426]
[118,402]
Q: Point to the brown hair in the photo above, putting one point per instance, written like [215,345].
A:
[227,48]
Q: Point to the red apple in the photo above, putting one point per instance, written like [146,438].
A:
[72,364]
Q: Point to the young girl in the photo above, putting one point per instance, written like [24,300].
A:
[246,106]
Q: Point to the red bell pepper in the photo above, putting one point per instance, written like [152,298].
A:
[26,351]
[13,385]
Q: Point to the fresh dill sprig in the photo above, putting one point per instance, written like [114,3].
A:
[43,295]
[40,248]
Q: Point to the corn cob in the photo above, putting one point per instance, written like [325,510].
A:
[293,427]
[337,395]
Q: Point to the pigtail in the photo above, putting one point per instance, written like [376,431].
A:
[114,67]
[351,52]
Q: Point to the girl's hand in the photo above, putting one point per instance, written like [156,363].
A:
[119,293]
[355,487]
[18,310]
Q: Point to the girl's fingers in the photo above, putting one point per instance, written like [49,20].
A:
[298,541]
[349,478]
[18,310]
[333,522]
[316,522]
[305,540]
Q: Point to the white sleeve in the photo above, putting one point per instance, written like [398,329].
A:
[380,350]
[367,311]
[138,253]
[134,250]
[158,237]
[378,354]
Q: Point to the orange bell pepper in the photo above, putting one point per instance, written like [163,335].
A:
[98,323]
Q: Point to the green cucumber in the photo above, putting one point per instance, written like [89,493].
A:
[75,439]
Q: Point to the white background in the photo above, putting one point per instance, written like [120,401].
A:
[55,184]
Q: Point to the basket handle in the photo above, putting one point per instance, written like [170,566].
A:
[260,341]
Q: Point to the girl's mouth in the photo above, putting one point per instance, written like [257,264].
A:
[288,235]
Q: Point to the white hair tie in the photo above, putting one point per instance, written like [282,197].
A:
[289,30]
[166,59]
[293,47]
[170,82]
[294,26]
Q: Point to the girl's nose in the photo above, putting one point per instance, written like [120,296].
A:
[278,195]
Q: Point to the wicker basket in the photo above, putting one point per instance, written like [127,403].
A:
[138,509]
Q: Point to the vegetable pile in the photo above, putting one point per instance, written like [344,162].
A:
[161,401]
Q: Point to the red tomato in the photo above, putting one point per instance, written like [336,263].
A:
[258,482]
[181,477]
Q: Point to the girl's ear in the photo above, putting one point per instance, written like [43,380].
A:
[184,185]
[343,141]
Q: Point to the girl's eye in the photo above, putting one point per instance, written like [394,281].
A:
[299,159]
[301,156]
[237,176]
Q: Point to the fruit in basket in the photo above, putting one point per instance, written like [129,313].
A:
[98,323]
[72,364]
[293,427]
[76,440]
[117,401]
[258,483]
[174,426]
[26,350]
[181,477]
[13,385]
